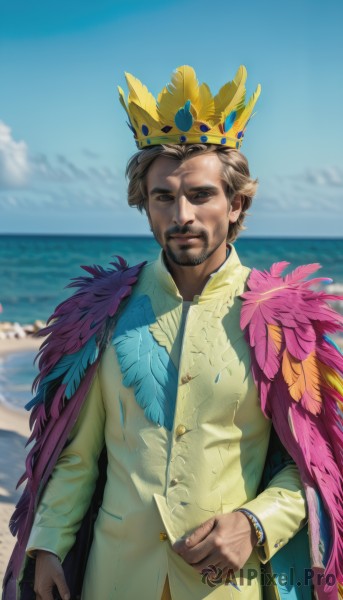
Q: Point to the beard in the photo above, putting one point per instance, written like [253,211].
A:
[185,256]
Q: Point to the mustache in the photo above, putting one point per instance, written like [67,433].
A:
[185,229]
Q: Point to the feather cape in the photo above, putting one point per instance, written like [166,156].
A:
[295,365]
[298,371]
[77,333]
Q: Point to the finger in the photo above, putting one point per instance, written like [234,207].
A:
[204,551]
[46,595]
[197,536]
[62,586]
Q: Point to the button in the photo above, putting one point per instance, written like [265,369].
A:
[186,378]
[163,536]
[174,481]
[180,430]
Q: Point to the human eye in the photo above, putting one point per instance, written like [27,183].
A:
[164,197]
[201,195]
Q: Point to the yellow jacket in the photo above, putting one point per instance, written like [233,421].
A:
[164,480]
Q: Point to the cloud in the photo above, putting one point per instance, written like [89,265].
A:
[37,185]
[331,176]
[14,161]
[90,154]
[310,192]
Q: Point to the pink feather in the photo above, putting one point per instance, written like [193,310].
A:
[314,441]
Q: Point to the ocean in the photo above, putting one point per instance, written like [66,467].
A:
[34,271]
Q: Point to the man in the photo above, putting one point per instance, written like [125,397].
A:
[173,398]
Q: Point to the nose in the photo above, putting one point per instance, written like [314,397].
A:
[183,211]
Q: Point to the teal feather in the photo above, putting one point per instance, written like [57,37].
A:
[71,367]
[184,118]
[77,365]
[145,365]
[229,121]
[329,340]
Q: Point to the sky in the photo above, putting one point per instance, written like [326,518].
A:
[64,142]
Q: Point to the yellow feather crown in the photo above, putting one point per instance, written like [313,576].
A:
[187,113]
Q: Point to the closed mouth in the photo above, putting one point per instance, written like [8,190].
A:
[183,237]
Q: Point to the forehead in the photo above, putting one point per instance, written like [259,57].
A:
[202,168]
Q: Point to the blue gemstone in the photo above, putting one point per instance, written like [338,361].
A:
[166,129]
[145,130]
[204,128]
[204,138]
[183,139]
[239,135]
[148,141]
[237,145]
[223,141]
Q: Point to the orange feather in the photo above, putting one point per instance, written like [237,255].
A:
[303,380]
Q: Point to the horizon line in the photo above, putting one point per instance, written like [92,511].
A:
[151,237]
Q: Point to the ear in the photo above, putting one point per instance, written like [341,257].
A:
[236,207]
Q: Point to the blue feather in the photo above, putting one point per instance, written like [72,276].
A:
[229,121]
[77,365]
[184,118]
[145,365]
[72,368]
[331,341]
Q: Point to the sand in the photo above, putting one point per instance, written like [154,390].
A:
[14,431]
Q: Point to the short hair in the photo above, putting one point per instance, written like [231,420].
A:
[236,174]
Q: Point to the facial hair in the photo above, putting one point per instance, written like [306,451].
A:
[188,260]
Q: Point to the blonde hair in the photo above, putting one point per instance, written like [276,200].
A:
[235,173]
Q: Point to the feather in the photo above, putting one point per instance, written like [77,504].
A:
[286,322]
[277,268]
[301,272]
[302,377]
[140,95]
[183,118]
[144,363]
[229,120]
[83,321]
[245,114]
[183,87]
[122,101]
[206,109]
[231,96]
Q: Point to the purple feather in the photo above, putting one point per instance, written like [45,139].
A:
[86,314]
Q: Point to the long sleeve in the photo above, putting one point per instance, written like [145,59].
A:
[67,495]
[281,507]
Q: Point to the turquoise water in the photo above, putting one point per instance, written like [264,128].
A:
[35,269]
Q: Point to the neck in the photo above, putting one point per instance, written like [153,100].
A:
[191,280]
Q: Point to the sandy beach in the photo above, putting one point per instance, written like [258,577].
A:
[14,431]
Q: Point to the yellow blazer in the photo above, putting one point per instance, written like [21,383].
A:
[186,439]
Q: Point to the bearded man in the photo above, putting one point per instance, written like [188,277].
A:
[191,398]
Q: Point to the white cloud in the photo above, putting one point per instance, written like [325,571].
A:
[14,161]
[55,186]
[331,176]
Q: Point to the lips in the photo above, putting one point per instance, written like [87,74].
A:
[183,236]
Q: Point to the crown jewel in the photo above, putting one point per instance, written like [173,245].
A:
[187,113]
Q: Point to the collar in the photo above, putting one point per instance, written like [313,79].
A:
[220,279]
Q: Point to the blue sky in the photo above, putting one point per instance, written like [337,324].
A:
[64,142]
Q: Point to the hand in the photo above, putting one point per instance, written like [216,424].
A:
[48,573]
[225,541]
